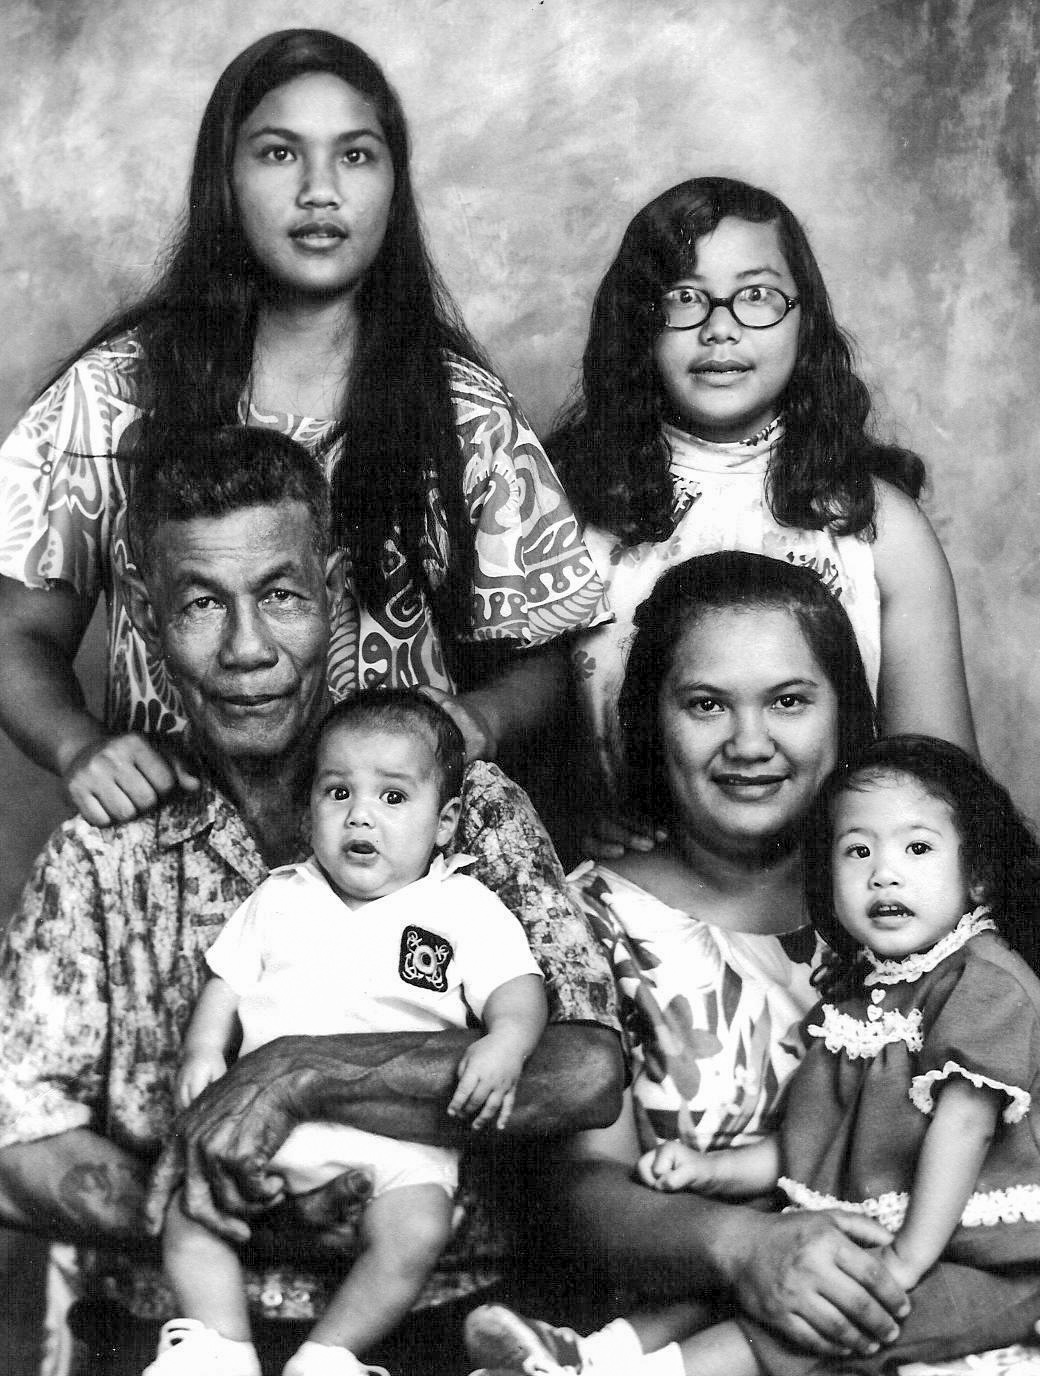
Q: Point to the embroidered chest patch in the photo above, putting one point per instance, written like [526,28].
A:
[425,957]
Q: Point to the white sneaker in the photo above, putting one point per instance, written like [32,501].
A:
[321,1359]
[188,1348]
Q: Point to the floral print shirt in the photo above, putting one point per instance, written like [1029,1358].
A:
[106,957]
[64,476]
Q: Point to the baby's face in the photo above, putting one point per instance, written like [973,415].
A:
[376,814]
[899,879]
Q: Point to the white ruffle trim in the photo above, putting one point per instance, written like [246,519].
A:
[913,966]
[984,1209]
[921,1095]
[863,1040]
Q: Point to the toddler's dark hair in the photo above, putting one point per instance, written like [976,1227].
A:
[1001,853]
[405,711]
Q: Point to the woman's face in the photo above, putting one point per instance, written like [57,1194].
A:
[748,725]
[313,180]
[724,381]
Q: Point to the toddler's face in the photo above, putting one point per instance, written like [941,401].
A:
[899,878]
[376,814]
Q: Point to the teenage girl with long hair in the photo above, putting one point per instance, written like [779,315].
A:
[298,294]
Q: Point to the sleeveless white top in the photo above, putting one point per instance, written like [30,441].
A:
[719,504]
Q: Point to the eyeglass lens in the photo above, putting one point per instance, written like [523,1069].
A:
[756,307]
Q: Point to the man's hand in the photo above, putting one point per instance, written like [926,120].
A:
[814,1278]
[325,1219]
[116,778]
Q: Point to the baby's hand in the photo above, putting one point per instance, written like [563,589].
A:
[488,1073]
[905,1275]
[198,1069]
[674,1166]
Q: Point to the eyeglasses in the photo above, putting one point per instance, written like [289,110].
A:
[755,307]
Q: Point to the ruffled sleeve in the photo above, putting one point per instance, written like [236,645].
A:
[60,490]
[533,579]
[984,1028]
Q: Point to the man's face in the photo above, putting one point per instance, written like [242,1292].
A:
[239,610]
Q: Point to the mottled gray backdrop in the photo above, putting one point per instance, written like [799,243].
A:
[905,134]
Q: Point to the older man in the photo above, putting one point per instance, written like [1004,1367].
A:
[105,957]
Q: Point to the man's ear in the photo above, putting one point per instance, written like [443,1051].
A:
[334,579]
[142,612]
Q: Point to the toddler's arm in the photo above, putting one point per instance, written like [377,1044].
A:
[206,1040]
[732,1173]
[952,1153]
[514,1015]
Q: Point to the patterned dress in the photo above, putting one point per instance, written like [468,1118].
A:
[711,1016]
[719,504]
[64,476]
[857,1113]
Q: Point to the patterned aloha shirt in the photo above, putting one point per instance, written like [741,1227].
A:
[63,493]
[105,959]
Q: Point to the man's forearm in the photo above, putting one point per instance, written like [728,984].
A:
[76,1186]
[399,1084]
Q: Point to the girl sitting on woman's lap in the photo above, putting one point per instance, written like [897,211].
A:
[916,1103]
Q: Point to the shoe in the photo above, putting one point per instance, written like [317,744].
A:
[322,1359]
[188,1348]
[504,1341]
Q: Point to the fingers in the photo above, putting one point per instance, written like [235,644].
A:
[479,738]
[117,779]
[506,1111]
[612,835]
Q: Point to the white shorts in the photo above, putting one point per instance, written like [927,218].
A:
[315,1153]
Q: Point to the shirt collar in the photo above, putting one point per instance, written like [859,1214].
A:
[918,963]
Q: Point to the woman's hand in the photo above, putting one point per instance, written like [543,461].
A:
[478,731]
[116,778]
[819,1279]
[612,833]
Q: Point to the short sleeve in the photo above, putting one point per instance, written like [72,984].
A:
[984,1028]
[515,859]
[53,998]
[534,579]
[60,488]
[490,948]
[236,956]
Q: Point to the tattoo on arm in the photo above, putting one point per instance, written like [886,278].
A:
[104,1194]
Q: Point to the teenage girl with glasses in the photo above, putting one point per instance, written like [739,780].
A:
[720,410]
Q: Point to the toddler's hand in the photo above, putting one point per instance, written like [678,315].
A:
[905,1276]
[488,1073]
[198,1069]
[674,1166]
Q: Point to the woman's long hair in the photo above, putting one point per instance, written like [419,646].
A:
[198,326]
[608,443]
[1000,853]
[724,581]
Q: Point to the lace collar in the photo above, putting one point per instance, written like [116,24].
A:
[920,962]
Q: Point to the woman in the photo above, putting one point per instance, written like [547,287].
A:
[299,296]
[743,688]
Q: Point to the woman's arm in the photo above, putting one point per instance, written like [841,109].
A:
[922,686]
[811,1276]
[952,1153]
[515,700]
[109,778]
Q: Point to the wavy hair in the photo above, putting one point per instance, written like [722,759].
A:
[1000,851]
[727,580]
[608,442]
[198,327]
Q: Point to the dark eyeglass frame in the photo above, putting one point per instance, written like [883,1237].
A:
[714,301]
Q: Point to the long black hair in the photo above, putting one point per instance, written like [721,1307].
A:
[608,443]
[198,325]
[1000,852]
[723,581]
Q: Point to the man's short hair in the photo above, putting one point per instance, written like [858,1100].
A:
[404,711]
[184,476]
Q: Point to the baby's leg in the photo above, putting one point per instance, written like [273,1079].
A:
[206,1275]
[721,1350]
[403,1232]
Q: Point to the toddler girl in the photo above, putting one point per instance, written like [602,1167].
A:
[916,1103]
[375,932]
[719,410]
